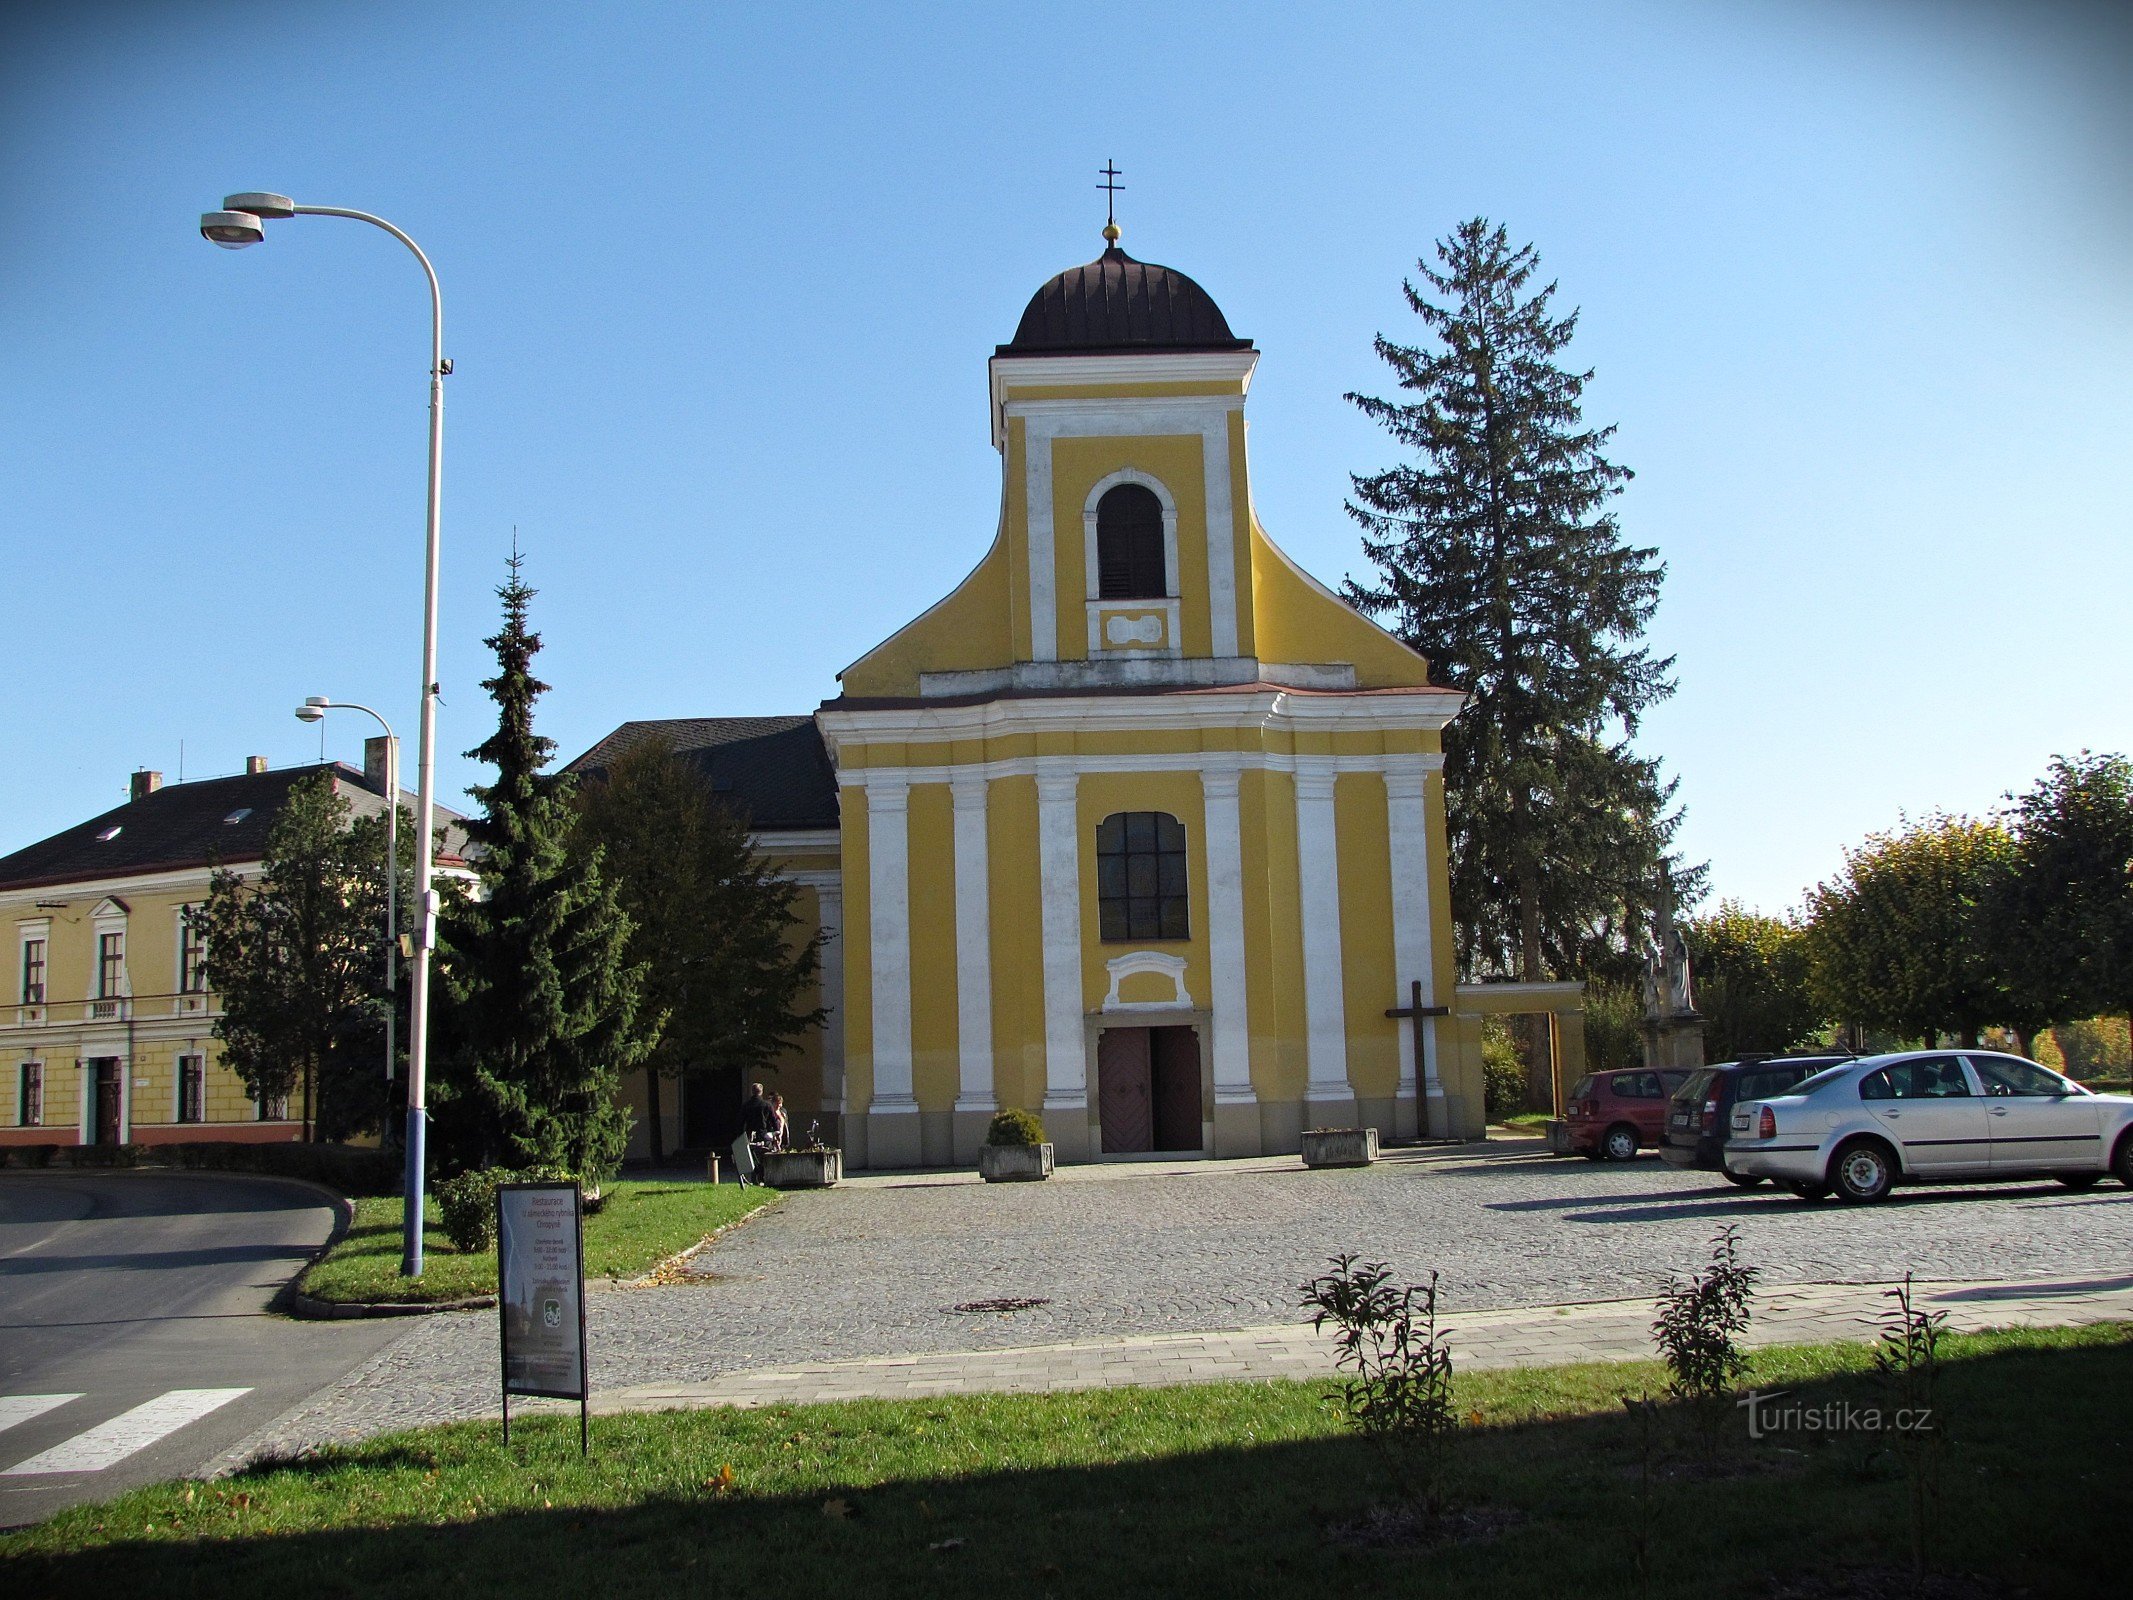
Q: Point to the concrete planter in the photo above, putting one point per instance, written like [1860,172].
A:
[803,1169]
[1340,1147]
[1014,1163]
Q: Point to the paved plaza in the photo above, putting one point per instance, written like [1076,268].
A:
[1122,1253]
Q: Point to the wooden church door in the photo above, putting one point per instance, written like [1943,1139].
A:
[1124,1104]
[1175,1075]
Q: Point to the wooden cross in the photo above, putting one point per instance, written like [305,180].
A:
[1415,1010]
[1110,186]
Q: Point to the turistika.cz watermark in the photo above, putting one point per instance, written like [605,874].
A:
[1774,1411]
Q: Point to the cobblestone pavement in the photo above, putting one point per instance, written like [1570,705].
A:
[875,1268]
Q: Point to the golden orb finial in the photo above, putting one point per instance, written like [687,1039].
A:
[1110,233]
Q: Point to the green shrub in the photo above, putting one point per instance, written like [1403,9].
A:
[1503,1073]
[348,1169]
[466,1206]
[27,1155]
[1015,1128]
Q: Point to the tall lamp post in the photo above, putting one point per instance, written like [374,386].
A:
[243,222]
[314,709]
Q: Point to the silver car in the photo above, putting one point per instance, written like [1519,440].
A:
[1931,1116]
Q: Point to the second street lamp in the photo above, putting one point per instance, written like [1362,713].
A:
[314,709]
[242,222]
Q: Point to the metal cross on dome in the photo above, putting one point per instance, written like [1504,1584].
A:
[1110,187]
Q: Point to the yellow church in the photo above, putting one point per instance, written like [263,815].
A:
[1142,827]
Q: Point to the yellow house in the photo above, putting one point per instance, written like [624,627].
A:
[109,1038]
[1141,827]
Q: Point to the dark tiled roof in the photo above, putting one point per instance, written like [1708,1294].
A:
[1119,305]
[773,770]
[180,825]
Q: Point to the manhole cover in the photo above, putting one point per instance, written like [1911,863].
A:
[1009,1303]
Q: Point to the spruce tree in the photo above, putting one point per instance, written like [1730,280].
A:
[714,925]
[543,1009]
[1499,560]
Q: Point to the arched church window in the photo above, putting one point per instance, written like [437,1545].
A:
[1130,564]
[1140,876]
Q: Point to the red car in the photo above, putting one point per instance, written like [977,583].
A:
[1612,1115]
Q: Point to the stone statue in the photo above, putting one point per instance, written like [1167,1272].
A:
[1678,977]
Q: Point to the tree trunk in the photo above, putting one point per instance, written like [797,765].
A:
[310,1129]
[1529,927]
[652,1129]
[1967,1038]
[1932,1038]
[2026,1039]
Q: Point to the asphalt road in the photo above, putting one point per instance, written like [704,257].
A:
[135,1342]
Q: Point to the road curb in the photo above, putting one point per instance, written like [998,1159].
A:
[308,1308]
[661,1274]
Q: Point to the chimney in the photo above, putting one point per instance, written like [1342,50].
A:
[376,760]
[146,783]
[254,765]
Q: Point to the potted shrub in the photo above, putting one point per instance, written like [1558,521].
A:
[1340,1147]
[1015,1150]
[814,1165]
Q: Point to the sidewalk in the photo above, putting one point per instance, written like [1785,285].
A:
[1610,1330]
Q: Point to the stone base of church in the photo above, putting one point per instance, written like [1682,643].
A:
[1066,1124]
[1328,1110]
[1381,1114]
[1405,1121]
[894,1139]
[1281,1127]
[969,1135]
[1237,1131]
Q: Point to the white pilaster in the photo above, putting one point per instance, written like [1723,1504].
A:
[1412,957]
[1043,560]
[1221,536]
[973,945]
[889,941]
[1059,888]
[1225,937]
[1325,1014]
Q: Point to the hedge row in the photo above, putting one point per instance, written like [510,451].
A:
[350,1170]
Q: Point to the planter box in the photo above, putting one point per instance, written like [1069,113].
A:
[1340,1147]
[803,1169]
[1014,1163]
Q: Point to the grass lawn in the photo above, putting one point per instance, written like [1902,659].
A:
[643,1222]
[1227,1489]
[1527,1122]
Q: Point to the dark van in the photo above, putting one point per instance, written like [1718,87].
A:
[1702,1108]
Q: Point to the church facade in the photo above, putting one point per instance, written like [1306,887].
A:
[1141,827]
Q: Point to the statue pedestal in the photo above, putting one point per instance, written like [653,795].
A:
[1674,1041]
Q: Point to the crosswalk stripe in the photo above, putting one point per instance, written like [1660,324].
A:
[16,1408]
[126,1433]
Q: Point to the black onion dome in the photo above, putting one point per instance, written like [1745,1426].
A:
[1117,305]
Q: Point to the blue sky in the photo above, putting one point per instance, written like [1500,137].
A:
[721,282]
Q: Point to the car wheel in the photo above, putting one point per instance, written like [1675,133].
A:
[1744,1180]
[1863,1172]
[2122,1159]
[1807,1191]
[1620,1143]
[2081,1180]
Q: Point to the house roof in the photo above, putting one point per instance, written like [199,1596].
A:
[773,770]
[211,821]
[1118,305]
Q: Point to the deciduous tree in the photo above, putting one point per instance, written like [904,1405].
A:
[715,930]
[296,957]
[1754,982]
[2068,918]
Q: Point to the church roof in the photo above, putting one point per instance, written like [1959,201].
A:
[773,770]
[1116,305]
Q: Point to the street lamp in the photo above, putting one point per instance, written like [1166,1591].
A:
[314,709]
[241,222]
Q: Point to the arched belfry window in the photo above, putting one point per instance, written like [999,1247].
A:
[1130,564]
[1140,876]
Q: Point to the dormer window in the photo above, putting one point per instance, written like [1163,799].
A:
[238,815]
[108,835]
[1130,563]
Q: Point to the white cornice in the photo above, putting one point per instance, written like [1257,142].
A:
[797,841]
[1425,710]
[1174,366]
[1063,771]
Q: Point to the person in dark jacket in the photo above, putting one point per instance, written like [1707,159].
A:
[759,1124]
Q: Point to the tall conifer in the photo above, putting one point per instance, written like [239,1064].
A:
[1499,560]
[544,1010]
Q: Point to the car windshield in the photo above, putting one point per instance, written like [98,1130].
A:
[1826,1075]
[1582,1088]
[1693,1087]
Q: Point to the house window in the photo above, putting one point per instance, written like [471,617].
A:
[1130,564]
[33,972]
[29,1100]
[110,965]
[1140,876]
[273,1108]
[192,1088]
[192,954]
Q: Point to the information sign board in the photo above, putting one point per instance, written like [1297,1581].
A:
[540,1299]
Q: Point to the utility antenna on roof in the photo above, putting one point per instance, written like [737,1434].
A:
[1110,187]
